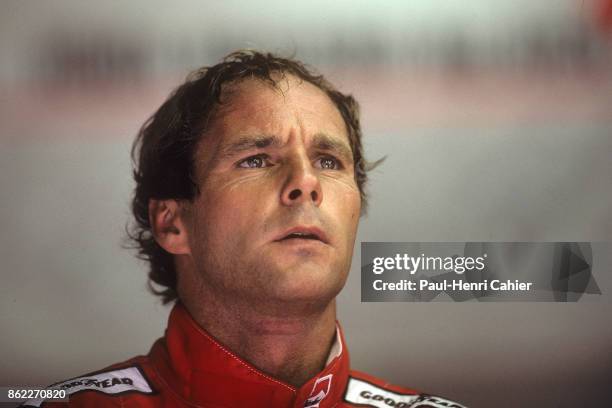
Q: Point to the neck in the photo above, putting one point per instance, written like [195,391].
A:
[290,344]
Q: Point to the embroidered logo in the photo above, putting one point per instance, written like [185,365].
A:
[319,391]
[364,393]
[120,381]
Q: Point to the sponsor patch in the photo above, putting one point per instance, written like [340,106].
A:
[120,381]
[429,401]
[362,392]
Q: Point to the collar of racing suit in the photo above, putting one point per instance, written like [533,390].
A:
[202,372]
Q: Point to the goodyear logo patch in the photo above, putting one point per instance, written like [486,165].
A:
[119,381]
[367,394]
[429,401]
[362,392]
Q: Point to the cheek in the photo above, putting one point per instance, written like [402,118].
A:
[352,206]
[346,203]
[355,212]
[356,201]
[233,208]
[351,197]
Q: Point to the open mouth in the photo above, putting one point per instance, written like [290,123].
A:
[300,235]
[304,233]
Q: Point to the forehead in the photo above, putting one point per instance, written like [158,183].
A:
[254,107]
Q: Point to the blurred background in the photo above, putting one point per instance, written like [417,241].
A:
[496,118]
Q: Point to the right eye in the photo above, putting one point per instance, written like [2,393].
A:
[255,162]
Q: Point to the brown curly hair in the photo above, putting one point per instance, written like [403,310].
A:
[163,151]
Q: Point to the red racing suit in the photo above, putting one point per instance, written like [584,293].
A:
[189,368]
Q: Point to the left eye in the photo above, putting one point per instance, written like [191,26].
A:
[329,163]
[254,162]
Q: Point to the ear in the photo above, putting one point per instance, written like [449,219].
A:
[168,226]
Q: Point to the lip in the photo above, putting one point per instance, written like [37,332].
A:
[303,229]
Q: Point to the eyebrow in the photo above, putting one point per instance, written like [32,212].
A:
[327,143]
[321,141]
[245,143]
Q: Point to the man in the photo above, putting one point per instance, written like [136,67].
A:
[249,187]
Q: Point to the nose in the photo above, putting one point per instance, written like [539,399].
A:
[302,183]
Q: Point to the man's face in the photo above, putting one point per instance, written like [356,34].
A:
[278,207]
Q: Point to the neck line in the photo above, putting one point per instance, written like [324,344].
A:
[194,363]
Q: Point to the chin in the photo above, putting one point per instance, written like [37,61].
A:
[308,284]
